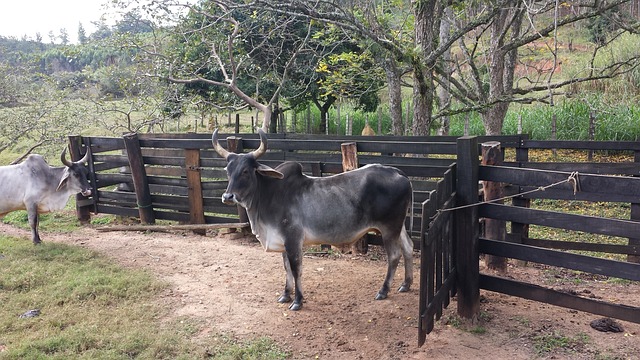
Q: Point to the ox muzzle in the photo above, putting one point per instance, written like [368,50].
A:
[229,199]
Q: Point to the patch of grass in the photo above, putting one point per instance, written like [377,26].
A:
[229,349]
[479,330]
[454,321]
[102,220]
[93,309]
[522,320]
[554,341]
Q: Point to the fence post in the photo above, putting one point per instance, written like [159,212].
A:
[83,212]
[139,175]
[494,229]
[194,188]
[592,132]
[467,228]
[350,162]
[635,215]
[520,230]
[234,144]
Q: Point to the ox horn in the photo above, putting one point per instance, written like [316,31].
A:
[263,145]
[85,158]
[67,163]
[63,158]
[217,147]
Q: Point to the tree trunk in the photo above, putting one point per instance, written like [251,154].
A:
[324,111]
[426,20]
[395,95]
[502,66]
[444,91]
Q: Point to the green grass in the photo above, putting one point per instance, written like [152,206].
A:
[554,341]
[91,308]
[614,122]
[61,221]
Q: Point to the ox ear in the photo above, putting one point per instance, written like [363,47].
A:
[264,170]
[63,180]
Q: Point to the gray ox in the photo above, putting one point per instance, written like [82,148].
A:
[35,186]
[288,210]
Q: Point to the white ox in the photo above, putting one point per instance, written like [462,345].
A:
[35,186]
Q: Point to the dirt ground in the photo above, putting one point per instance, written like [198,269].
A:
[232,285]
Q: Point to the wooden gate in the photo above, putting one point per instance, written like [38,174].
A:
[437,263]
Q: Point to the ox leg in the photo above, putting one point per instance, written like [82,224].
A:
[288,286]
[32,214]
[392,247]
[407,253]
[294,259]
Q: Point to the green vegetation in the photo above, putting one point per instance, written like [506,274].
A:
[619,122]
[553,341]
[91,308]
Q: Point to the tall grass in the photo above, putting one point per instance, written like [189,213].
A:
[612,122]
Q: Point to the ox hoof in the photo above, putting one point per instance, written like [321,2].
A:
[295,306]
[404,288]
[381,296]
[284,299]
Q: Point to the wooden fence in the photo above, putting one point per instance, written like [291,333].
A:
[452,254]
[179,177]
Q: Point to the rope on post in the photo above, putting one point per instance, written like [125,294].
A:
[573,179]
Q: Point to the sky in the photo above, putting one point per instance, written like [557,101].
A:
[28,17]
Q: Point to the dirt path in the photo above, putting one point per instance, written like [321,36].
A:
[232,285]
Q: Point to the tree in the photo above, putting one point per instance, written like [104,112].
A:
[42,118]
[82,34]
[64,36]
[492,92]
[245,53]
[488,35]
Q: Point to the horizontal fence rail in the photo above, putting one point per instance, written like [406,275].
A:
[565,185]
[169,179]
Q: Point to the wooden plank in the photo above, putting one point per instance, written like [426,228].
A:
[588,182]
[158,180]
[118,195]
[492,191]
[583,246]
[589,224]
[567,194]
[166,171]
[107,179]
[541,294]
[165,161]
[365,158]
[83,213]
[635,216]
[438,301]
[117,210]
[101,144]
[205,227]
[608,168]
[467,229]
[584,263]
[194,186]
[140,181]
